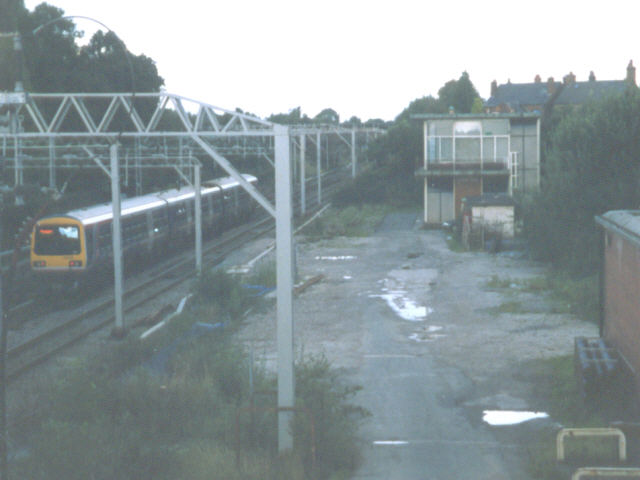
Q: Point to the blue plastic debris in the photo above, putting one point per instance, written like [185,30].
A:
[258,290]
[158,363]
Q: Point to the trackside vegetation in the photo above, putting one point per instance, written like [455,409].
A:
[177,405]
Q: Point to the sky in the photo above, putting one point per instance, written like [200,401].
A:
[364,58]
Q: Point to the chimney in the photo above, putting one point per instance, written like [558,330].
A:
[494,88]
[631,73]
[551,86]
[537,79]
[592,76]
[569,78]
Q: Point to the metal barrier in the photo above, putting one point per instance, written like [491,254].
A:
[605,472]
[591,432]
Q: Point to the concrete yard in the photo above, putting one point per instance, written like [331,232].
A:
[417,327]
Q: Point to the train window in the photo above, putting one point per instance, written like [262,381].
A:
[57,240]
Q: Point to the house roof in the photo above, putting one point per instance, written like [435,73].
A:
[581,92]
[471,116]
[517,95]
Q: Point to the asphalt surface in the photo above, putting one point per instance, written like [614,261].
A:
[418,429]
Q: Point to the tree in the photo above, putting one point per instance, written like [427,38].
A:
[353,122]
[459,94]
[327,116]
[294,117]
[592,166]
[53,62]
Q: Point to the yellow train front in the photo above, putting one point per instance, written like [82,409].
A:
[58,246]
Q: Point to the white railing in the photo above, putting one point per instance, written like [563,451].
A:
[465,149]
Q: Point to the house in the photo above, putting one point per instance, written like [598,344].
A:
[542,97]
[620,286]
[469,155]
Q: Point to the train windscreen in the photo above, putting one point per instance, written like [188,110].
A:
[57,240]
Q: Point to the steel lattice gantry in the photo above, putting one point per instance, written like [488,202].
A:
[91,128]
[162,130]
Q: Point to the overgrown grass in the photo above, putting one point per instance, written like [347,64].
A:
[579,296]
[166,408]
[352,221]
[510,306]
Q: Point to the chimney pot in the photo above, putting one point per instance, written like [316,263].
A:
[537,79]
[631,73]
[494,88]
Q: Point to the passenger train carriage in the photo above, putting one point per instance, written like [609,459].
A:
[69,245]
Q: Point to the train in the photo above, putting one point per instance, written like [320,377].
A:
[69,247]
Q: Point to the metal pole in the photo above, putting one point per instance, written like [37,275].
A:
[303,187]
[284,256]
[319,167]
[198,208]
[3,376]
[119,330]
[354,159]
[52,163]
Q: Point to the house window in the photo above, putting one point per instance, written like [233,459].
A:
[467,128]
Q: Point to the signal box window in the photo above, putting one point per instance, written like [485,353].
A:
[57,240]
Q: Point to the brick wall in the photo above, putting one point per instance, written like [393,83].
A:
[622,299]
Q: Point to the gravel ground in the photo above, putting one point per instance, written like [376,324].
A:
[461,326]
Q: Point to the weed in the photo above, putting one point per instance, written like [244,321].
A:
[577,295]
[455,245]
[499,283]
[320,389]
[512,306]
[352,221]
[264,274]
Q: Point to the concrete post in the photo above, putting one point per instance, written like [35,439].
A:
[198,212]
[354,160]
[319,166]
[284,256]
[303,187]
[119,330]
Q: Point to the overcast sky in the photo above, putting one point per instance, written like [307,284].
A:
[365,58]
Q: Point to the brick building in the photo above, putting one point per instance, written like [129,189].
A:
[541,97]
[620,285]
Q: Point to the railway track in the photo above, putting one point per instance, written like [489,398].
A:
[31,352]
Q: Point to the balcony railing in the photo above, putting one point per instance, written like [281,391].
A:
[489,152]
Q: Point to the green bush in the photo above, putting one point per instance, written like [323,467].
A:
[224,292]
[320,389]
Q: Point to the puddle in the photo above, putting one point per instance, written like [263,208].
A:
[404,307]
[428,334]
[391,442]
[334,258]
[397,297]
[498,418]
